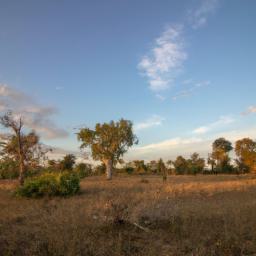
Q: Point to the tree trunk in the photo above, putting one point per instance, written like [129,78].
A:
[109,167]
[22,171]
[21,159]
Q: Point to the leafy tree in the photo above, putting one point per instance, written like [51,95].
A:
[180,165]
[220,149]
[139,166]
[68,162]
[246,152]
[108,142]
[196,164]
[152,166]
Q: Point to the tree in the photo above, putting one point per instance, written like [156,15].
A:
[152,166]
[68,162]
[162,169]
[139,166]
[246,152]
[196,164]
[220,149]
[16,124]
[180,165]
[108,142]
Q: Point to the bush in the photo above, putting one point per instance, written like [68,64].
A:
[9,169]
[83,170]
[50,184]
[68,183]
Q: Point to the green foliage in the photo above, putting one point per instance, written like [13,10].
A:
[220,149]
[83,170]
[108,140]
[129,169]
[246,152]
[50,184]
[99,169]
[193,165]
[68,162]
[68,183]
[9,168]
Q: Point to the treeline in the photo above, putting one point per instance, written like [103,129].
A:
[218,161]
[22,155]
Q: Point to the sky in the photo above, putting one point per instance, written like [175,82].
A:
[184,72]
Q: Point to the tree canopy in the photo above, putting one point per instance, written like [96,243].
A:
[108,141]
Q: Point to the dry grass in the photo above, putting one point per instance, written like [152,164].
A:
[188,215]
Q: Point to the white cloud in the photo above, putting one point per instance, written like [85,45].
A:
[250,110]
[155,120]
[198,17]
[223,120]
[34,115]
[160,97]
[164,60]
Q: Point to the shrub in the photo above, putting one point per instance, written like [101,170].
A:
[68,183]
[83,170]
[50,184]
[9,169]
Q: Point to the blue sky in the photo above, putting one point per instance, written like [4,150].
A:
[182,71]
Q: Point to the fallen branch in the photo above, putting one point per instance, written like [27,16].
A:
[140,227]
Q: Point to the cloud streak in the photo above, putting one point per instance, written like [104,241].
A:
[34,115]
[250,110]
[155,120]
[164,60]
[223,120]
[191,90]
[198,17]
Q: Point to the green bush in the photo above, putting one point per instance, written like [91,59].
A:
[83,170]
[68,183]
[50,184]
[9,169]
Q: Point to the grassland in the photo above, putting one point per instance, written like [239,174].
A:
[134,215]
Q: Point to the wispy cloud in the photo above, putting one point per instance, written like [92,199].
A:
[198,17]
[164,60]
[223,120]
[250,110]
[33,114]
[155,120]
[191,90]
[171,148]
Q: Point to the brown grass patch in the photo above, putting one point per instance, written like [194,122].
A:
[187,215]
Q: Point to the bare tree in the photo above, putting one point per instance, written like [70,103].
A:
[8,121]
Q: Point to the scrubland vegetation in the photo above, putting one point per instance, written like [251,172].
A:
[60,207]
[187,215]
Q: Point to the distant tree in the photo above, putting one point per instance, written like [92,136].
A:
[211,161]
[220,149]
[162,169]
[180,165]
[68,162]
[246,152]
[108,142]
[170,167]
[83,169]
[139,166]
[152,166]
[196,164]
